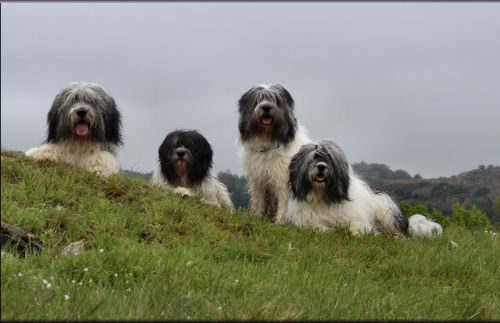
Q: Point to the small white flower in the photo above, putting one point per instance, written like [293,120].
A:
[48,285]
[66,297]
[20,275]
[51,278]
[219,308]
[85,269]
[189,263]
[90,280]
[101,250]
[128,289]
[112,291]
[116,275]
[236,281]
[126,282]
[188,317]
[73,281]
[80,283]
[45,282]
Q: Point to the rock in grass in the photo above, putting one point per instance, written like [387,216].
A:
[73,248]
[20,239]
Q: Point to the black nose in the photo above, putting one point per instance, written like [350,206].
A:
[266,107]
[81,112]
[321,167]
[181,152]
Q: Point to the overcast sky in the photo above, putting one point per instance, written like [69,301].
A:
[415,86]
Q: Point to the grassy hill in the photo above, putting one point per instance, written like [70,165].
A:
[154,256]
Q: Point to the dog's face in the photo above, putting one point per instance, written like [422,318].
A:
[84,111]
[266,112]
[319,171]
[185,157]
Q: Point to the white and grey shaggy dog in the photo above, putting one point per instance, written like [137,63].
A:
[84,129]
[326,193]
[183,166]
[269,137]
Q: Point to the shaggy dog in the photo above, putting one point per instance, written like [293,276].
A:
[84,127]
[326,193]
[185,159]
[269,137]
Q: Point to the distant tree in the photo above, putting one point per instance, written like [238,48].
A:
[490,166]
[401,174]
[237,187]
[482,191]
[472,219]
[496,205]
[417,176]
[481,167]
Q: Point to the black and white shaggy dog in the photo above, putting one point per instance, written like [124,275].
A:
[269,137]
[326,193]
[84,129]
[184,163]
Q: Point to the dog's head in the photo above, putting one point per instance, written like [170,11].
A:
[185,157]
[320,171]
[266,112]
[84,111]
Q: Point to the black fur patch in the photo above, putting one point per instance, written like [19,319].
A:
[201,153]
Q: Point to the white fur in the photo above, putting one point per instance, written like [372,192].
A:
[267,169]
[211,190]
[90,156]
[363,213]
[421,227]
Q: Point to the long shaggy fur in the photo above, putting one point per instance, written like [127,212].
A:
[269,137]
[84,129]
[184,163]
[326,193]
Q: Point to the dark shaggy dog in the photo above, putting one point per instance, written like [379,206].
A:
[184,163]
[269,137]
[326,193]
[84,129]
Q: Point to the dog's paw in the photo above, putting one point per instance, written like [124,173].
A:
[184,192]
[41,153]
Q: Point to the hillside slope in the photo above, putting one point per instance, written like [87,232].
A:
[151,255]
[479,187]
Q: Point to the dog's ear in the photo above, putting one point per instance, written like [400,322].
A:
[286,97]
[53,117]
[112,121]
[337,189]
[298,173]
[246,105]
[202,158]
[285,131]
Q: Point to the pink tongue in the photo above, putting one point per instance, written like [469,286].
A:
[267,120]
[82,129]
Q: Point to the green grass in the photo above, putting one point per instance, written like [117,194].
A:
[164,257]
